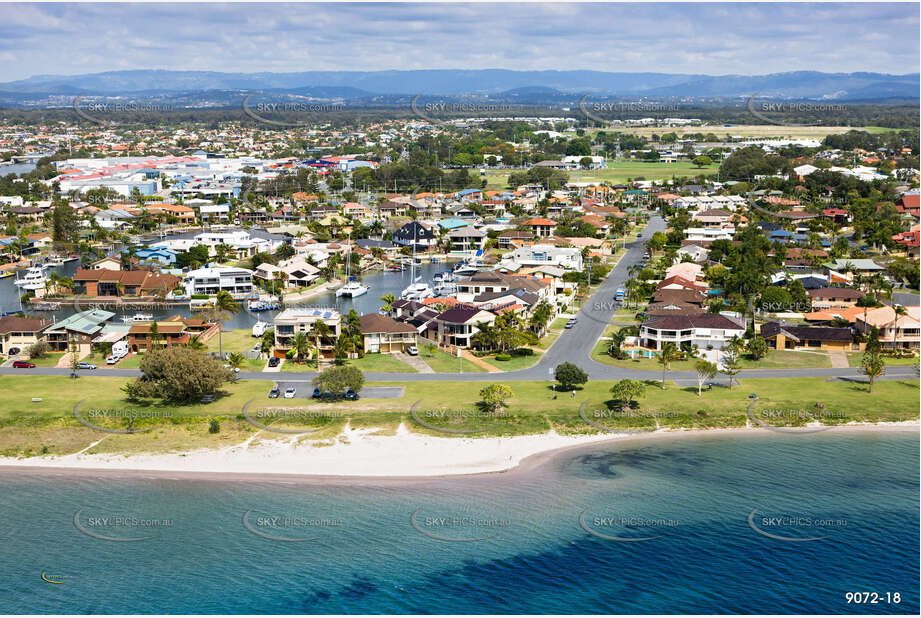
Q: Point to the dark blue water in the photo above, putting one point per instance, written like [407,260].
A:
[521,550]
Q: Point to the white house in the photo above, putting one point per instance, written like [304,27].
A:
[211,280]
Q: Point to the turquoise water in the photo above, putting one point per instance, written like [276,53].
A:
[488,544]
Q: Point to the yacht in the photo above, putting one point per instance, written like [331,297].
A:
[446,289]
[259,328]
[417,290]
[465,268]
[35,278]
[138,317]
[445,277]
[352,289]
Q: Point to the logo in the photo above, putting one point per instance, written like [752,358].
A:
[118,528]
[128,417]
[788,522]
[438,528]
[619,523]
[278,413]
[278,527]
[435,419]
[759,109]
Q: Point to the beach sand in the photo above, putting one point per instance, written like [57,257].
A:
[361,453]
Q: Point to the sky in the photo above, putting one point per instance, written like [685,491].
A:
[714,39]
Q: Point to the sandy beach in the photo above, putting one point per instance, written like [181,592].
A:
[362,454]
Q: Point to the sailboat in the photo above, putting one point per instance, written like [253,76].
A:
[353,286]
[416,290]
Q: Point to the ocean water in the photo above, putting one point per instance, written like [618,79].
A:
[664,526]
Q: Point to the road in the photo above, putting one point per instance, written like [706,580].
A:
[574,345]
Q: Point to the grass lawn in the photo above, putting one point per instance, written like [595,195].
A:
[239,340]
[442,362]
[28,428]
[853,360]
[292,367]
[617,172]
[49,361]
[787,359]
[515,363]
[381,363]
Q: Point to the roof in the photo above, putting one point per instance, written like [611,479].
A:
[86,322]
[460,314]
[805,333]
[701,320]
[846,293]
[539,221]
[16,324]
[377,323]
[674,296]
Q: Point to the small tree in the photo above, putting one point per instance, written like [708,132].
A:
[495,396]
[625,391]
[340,379]
[731,364]
[702,161]
[757,347]
[873,366]
[214,426]
[74,357]
[570,375]
[667,354]
[705,371]
[37,350]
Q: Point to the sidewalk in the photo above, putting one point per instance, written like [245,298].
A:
[838,359]
[479,362]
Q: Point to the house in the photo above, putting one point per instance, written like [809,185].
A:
[513,238]
[834,298]
[705,330]
[782,336]
[569,258]
[208,281]
[295,272]
[18,333]
[162,256]
[79,329]
[910,240]
[173,331]
[489,282]
[457,326]
[119,283]
[540,227]
[466,239]
[709,234]
[383,334]
[714,218]
[681,295]
[296,320]
[894,331]
[214,212]
[696,252]
[414,233]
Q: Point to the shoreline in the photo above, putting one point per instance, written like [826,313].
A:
[403,458]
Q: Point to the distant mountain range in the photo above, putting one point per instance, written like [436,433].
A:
[522,86]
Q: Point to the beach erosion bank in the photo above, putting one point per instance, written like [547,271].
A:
[362,453]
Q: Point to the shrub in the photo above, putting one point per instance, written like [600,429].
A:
[503,357]
[214,426]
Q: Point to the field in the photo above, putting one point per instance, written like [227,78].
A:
[618,172]
[28,428]
[776,131]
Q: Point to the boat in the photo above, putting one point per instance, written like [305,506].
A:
[416,290]
[34,279]
[444,277]
[465,268]
[446,289]
[5,274]
[259,328]
[353,287]
[138,317]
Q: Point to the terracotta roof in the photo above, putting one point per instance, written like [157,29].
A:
[377,323]
[16,324]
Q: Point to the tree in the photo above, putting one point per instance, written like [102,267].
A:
[236,360]
[757,347]
[667,354]
[625,391]
[320,331]
[267,343]
[570,375]
[730,362]
[495,396]
[179,374]
[702,161]
[388,300]
[705,371]
[74,357]
[340,379]
[300,344]
[872,366]
[223,307]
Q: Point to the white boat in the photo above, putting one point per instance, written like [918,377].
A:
[352,289]
[465,268]
[446,289]
[259,328]
[34,279]
[417,292]
[138,317]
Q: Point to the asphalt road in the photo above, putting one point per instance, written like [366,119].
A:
[574,345]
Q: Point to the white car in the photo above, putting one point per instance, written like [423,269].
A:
[289,393]
[412,350]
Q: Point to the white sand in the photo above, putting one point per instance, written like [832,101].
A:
[361,453]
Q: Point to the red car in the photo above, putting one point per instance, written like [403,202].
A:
[23,365]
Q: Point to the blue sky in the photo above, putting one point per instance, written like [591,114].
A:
[674,38]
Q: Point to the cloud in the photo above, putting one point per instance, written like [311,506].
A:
[714,39]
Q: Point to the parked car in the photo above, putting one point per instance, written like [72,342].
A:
[351,395]
[273,362]
[412,350]
[82,365]
[23,365]
[290,392]
[316,393]
[273,394]
[235,369]
[207,399]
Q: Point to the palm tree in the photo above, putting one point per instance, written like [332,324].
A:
[667,354]
[267,343]
[223,308]
[236,360]
[195,343]
[899,312]
[300,343]
[320,331]
[388,300]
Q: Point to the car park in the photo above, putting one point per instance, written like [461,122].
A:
[290,392]
[23,365]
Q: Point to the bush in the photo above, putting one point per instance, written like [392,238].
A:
[523,352]
[503,357]
[37,350]
[340,379]
[178,374]
[214,426]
